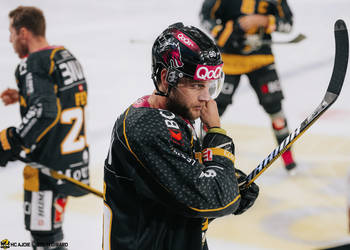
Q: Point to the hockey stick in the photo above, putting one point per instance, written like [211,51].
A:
[333,91]
[296,39]
[254,42]
[59,176]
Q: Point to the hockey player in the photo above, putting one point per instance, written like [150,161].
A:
[162,186]
[239,28]
[52,93]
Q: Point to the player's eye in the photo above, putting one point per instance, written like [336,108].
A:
[198,86]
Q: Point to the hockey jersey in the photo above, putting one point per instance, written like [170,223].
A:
[161,186]
[53,96]
[221,19]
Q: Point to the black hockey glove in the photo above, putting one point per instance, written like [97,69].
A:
[248,195]
[10,145]
[216,138]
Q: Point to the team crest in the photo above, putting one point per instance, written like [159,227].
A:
[172,56]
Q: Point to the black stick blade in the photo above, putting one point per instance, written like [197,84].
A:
[341,57]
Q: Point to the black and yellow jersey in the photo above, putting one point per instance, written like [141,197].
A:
[220,18]
[161,185]
[53,96]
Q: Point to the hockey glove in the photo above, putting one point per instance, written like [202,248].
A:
[248,195]
[217,138]
[10,145]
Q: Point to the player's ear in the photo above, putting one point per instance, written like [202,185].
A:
[23,33]
[163,85]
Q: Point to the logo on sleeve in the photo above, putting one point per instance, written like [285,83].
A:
[176,136]
[207,155]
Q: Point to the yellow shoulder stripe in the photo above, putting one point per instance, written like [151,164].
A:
[52,63]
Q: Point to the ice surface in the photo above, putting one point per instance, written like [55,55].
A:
[113,39]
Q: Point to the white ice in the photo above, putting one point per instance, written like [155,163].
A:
[113,39]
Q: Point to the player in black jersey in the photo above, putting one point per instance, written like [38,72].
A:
[162,185]
[242,30]
[52,93]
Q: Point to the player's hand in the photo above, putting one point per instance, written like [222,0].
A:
[251,22]
[210,114]
[248,195]
[9,96]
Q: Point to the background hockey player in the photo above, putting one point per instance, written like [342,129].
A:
[161,186]
[239,28]
[52,93]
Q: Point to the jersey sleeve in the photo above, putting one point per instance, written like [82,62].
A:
[208,14]
[282,17]
[42,107]
[203,187]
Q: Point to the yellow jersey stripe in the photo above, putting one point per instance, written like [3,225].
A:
[221,152]
[214,9]
[52,63]
[4,141]
[54,122]
[225,34]
[217,209]
[241,64]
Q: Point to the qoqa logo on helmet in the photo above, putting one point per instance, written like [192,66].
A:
[185,39]
[204,72]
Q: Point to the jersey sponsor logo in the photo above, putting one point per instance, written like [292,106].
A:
[29,84]
[204,72]
[71,72]
[173,56]
[210,173]
[79,174]
[41,210]
[169,119]
[271,87]
[30,118]
[23,67]
[60,204]
[185,157]
[185,40]
[176,136]
[80,98]
[207,155]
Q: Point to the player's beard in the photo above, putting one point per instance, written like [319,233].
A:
[21,49]
[177,106]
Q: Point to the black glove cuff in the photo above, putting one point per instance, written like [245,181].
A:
[213,140]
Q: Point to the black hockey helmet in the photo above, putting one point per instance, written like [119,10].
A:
[185,51]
